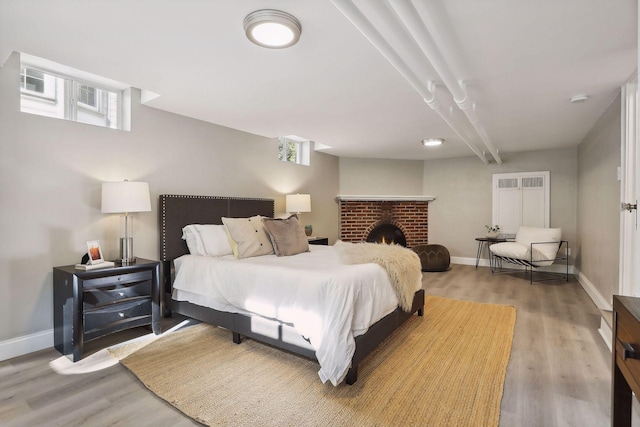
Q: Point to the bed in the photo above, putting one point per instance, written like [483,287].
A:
[178,211]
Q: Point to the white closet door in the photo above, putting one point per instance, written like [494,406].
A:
[520,199]
[534,206]
[508,195]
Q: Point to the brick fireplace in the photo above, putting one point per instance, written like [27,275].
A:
[360,215]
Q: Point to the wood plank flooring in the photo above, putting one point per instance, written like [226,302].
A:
[558,375]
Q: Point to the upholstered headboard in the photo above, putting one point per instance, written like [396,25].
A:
[177,211]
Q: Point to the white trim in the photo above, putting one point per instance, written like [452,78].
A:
[25,344]
[629,278]
[605,332]
[595,295]
[349,198]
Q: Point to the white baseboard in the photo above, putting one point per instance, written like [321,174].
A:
[19,346]
[595,295]
[484,262]
[605,332]
[469,261]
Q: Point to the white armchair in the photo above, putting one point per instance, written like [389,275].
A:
[533,247]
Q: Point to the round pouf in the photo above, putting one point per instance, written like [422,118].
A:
[433,257]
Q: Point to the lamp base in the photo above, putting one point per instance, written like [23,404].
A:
[126,251]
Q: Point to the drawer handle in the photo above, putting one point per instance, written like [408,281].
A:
[121,314]
[628,352]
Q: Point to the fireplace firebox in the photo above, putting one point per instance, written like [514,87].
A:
[399,219]
[387,233]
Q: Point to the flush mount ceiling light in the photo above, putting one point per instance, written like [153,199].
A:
[579,98]
[272,28]
[432,142]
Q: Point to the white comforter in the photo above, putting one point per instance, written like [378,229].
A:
[327,302]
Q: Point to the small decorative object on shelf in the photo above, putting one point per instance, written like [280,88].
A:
[492,231]
[308,229]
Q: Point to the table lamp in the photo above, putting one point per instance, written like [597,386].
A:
[126,197]
[299,203]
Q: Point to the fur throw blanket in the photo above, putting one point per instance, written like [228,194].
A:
[402,265]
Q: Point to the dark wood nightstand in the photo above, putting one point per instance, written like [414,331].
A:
[625,358]
[94,303]
[318,240]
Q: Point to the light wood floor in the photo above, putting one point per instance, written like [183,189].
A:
[558,375]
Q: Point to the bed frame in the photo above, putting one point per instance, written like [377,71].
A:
[177,211]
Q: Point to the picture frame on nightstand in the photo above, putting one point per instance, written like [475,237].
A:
[94,257]
[95,252]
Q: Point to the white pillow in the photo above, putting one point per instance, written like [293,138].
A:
[194,242]
[249,237]
[528,235]
[207,239]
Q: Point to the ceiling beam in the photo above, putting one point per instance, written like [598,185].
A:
[407,25]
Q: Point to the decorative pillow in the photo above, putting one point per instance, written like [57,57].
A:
[207,239]
[249,235]
[287,235]
[548,250]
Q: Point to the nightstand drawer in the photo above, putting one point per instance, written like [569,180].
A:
[121,279]
[628,332]
[114,293]
[111,318]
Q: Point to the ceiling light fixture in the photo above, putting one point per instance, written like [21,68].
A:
[272,28]
[432,142]
[579,98]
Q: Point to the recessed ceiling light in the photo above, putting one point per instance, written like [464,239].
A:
[579,98]
[432,142]
[272,28]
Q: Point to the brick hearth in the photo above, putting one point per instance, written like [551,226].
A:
[359,217]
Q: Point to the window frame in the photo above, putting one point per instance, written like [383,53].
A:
[302,150]
[71,101]
[49,88]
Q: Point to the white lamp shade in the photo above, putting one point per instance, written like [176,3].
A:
[125,197]
[298,203]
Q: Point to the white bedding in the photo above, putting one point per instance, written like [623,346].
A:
[326,301]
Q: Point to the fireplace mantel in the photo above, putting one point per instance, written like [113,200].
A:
[364,198]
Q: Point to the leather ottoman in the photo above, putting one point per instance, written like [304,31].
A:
[433,257]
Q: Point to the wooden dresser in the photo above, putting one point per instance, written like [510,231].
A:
[625,369]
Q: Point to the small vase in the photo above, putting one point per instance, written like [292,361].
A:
[308,230]
[493,234]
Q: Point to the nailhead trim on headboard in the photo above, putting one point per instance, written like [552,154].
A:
[163,211]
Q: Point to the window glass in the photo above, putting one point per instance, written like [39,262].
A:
[55,94]
[87,95]
[32,80]
[293,149]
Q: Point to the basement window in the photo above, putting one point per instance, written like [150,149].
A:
[294,149]
[54,90]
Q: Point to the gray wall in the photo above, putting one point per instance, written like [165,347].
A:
[462,187]
[379,177]
[51,173]
[463,192]
[597,249]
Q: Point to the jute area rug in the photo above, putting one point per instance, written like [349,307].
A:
[444,369]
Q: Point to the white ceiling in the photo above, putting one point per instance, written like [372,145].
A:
[520,61]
